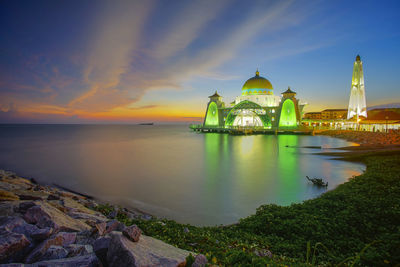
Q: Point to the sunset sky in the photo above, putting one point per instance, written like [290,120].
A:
[139,61]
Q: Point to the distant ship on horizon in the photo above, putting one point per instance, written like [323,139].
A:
[146,123]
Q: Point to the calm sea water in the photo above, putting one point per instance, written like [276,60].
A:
[169,171]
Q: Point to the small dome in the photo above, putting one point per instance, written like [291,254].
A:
[257,85]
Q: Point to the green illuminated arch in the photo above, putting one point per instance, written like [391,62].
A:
[288,114]
[247,105]
[212,115]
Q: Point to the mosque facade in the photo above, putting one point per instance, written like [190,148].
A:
[256,107]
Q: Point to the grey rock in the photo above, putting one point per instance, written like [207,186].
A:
[113,214]
[60,239]
[263,253]
[18,225]
[132,232]
[114,225]
[132,215]
[24,206]
[81,261]
[10,222]
[147,252]
[9,208]
[146,217]
[44,215]
[200,261]
[101,228]
[100,247]
[27,229]
[12,245]
[42,234]
[53,197]
[54,252]
[86,237]
[87,216]
[186,230]
[29,197]
[79,250]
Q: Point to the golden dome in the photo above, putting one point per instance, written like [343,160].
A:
[257,85]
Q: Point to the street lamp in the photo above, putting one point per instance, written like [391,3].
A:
[387,117]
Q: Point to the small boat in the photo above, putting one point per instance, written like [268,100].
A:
[317,181]
[147,123]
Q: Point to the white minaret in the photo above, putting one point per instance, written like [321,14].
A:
[357,103]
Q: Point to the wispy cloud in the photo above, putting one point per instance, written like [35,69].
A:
[111,54]
[144,107]
[186,26]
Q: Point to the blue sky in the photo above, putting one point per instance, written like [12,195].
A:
[128,61]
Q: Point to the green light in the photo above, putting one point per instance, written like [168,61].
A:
[212,115]
[251,106]
[288,114]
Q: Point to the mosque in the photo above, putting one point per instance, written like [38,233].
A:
[257,107]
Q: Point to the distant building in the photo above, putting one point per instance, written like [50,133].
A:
[312,115]
[381,119]
[334,114]
[257,107]
[357,103]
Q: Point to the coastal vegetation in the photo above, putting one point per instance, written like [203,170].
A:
[356,224]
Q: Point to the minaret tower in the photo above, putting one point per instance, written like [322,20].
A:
[357,103]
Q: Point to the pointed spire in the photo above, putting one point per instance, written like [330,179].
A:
[289,91]
[257,72]
[215,94]
[358,58]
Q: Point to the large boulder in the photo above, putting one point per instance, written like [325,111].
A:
[100,247]
[45,215]
[12,245]
[61,239]
[146,252]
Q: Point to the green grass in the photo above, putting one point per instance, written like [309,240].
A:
[357,224]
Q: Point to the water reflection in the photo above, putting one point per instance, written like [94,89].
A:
[203,179]
[247,171]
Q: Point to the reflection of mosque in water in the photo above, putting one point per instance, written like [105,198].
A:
[256,107]
[230,161]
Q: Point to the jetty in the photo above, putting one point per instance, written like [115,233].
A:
[242,130]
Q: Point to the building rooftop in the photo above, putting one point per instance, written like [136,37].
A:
[383,115]
[215,95]
[289,91]
[334,109]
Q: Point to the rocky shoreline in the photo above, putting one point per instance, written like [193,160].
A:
[49,226]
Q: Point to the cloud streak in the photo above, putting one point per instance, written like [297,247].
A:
[112,51]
